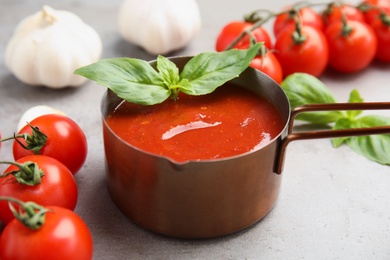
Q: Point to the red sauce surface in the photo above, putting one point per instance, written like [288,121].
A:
[227,122]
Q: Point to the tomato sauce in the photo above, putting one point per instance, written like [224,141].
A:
[228,122]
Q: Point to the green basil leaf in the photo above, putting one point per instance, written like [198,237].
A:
[207,71]
[342,123]
[185,85]
[137,81]
[354,97]
[373,147]
[168,70]
[131,79]
[301,89]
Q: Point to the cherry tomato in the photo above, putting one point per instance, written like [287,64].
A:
[66,141]
[63,235]
[354,51]
[269,64]
[310,56]
[376,8]
[233,29]
[58,186]
[382,32]
[334,13]
[307,16]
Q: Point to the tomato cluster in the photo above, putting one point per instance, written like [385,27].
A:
[48,152]
[342,36]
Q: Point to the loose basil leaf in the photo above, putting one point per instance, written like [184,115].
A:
[342,123]
[354,97]
[373,147]
[131,79]
[207,71]
[301,89]
[305,89]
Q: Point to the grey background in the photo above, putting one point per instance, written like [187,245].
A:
[334,204]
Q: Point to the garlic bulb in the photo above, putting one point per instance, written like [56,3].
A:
[159,26]
[36,111]
[49,45]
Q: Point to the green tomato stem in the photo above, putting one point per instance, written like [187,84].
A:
[35,141]
[297,36]
[256,16]
[258,20]
[385,19]
[29,173]
[251,29]
[32,215]
[346,30]
[11,138]
[365,7]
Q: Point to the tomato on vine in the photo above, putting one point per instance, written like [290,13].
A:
[231,31]
[372,9]
[37,178]
[306,16]
[352,45]
[336,12]
[56,136]
[302,49]
[381,27]
[42,233]
[268,64]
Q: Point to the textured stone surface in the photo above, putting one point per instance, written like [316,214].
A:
[334,204]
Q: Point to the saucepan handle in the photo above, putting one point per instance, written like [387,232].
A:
[328,133]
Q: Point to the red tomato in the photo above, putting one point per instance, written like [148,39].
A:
[58,186]
[307,16]
[311,56]
[270,65]
[334,13]
[63,235]
[352,52]
[377,7]
[66,141]
[233,29]
[382,32]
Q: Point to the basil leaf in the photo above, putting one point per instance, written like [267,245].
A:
[131,79]
[354,96]
[138,82]
[301,89]
[373,147]
[342,123]
[168,70]
[185,86]
[207,71]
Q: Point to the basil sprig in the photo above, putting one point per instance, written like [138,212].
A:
[136,81]
[302,88]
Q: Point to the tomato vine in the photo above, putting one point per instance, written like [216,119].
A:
[374,14]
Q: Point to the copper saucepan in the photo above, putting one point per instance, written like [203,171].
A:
[209,198]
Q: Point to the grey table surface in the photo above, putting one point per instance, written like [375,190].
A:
[334,203]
